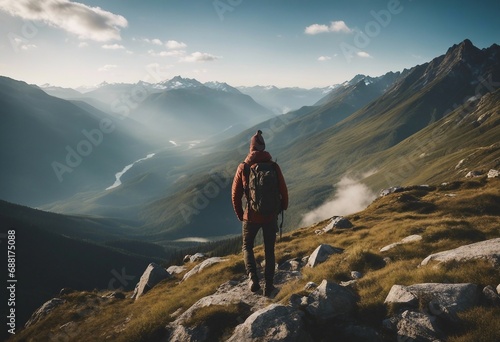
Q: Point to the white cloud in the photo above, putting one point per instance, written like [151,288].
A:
[316,29]
[339,26]
[113,47]
[363,54]
[83,45]
[107,67]
[351,196]
[335,26]
[175,53]
[324,58]
[23,44]
[175,45]
[199,57]
[86,22]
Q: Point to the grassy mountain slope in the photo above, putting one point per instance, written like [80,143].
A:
[446,216]
[55,251]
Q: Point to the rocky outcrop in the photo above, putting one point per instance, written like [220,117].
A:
[233,293]
[273,323]
[153,274]
[176,269]
[439,298]
[426,307]
[322,253]
[44,310]
[488,250]
[418,326]
[329,301]
[408,239]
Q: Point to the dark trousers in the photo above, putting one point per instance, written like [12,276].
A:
[250,231]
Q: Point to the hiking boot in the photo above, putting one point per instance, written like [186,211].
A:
[254,283]
[270,291]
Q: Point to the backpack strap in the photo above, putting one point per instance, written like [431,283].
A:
[246,174]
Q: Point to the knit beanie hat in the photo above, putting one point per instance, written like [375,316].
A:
[257,142]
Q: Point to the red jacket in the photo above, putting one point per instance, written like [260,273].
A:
[240,183]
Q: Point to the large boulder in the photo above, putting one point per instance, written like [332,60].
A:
[488,250]
[274,323]
[328,302]
[322,253]
[444,300]
[153,274]
[418,327]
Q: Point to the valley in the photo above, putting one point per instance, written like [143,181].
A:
[114,190]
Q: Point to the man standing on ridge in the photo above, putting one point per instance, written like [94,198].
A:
[262,182]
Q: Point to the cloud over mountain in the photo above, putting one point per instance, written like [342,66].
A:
[86,22]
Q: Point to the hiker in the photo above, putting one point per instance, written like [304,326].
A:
[255,217]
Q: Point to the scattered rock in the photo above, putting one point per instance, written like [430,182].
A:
[200,267]
[356,275]
[348,283]
[338,222]
[493,173]
[473,174]
[417,326]
[491,297]
[408,239]
[273,323]
[197,257]
[44,310]
[176,269]
[391,190]
[498,289]
[330,302]
[153,274]
[310,286]
[322,253]
[488,250]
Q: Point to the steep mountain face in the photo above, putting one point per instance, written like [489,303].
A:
[53,148]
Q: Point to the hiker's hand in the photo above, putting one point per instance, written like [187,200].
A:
[240,215]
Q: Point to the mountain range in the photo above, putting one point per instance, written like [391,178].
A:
[434,122]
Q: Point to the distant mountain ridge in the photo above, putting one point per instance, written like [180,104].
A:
[324,143]
[279,100]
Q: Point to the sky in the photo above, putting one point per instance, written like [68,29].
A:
[286,43]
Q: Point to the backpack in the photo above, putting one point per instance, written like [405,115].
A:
[263,192]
